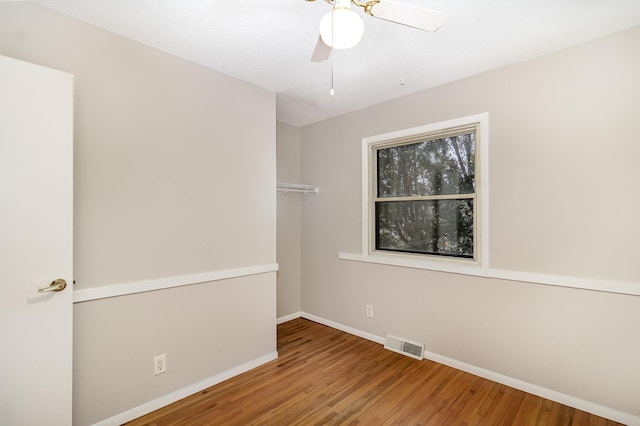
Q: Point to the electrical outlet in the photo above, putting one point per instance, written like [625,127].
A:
[159,364]
[370,311]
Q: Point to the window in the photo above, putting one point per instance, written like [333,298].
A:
[423,195]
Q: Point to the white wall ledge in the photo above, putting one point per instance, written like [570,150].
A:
[619,287]
[95,293]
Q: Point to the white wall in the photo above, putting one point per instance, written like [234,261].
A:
[563,176]
[174,175]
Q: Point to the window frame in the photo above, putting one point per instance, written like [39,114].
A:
[371,144]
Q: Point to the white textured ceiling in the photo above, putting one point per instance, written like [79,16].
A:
[269,43]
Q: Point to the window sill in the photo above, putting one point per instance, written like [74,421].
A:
[619,287]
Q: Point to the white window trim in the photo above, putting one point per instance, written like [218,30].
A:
[482,217]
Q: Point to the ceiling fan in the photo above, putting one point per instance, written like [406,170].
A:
[342,28]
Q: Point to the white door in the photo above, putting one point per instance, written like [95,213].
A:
[36,208]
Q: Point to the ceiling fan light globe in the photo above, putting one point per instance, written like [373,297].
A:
[342,28]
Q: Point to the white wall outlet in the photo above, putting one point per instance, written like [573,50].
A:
[370,311]
[159,364]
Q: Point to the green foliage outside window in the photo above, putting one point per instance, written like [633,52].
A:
[425,193]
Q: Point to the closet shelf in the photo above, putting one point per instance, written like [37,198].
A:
[296,187]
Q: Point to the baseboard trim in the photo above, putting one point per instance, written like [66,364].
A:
[562,398]
[288,317]
[172,397]
[344,328]
[571,401]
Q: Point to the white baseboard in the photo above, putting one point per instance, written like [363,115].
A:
[344,328]
[172,397]
[562,398]
[571,401]
[288,317]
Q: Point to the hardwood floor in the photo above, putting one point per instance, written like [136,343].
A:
[327,377]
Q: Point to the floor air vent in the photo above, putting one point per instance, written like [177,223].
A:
[405,347]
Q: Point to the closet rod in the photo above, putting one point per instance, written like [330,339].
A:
[296,187]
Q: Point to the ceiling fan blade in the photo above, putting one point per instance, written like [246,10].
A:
[321,51]
[407,14]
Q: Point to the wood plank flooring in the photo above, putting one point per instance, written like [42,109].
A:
[327,377]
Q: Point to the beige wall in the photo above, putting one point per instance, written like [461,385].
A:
[204,329]
[169,156]
[174,175]
[289,220]
[563,176]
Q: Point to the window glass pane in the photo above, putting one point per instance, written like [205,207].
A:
[433,167]
[438,227]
